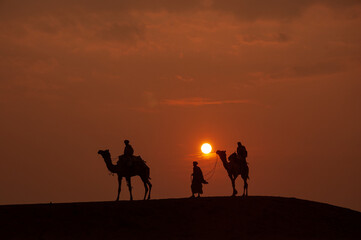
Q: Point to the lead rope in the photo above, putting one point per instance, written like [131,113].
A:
[210,173]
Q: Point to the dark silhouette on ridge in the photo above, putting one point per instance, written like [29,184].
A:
[234,168]
[241,152]
[122,169]
[197,180]
[219,218]
[128,152]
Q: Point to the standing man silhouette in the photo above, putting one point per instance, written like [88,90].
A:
[197,180]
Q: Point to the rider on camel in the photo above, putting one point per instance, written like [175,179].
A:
[128,152]
[242,153]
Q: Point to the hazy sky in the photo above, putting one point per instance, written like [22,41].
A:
[281,76]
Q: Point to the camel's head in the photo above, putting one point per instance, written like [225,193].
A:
[221,153]
[104,153]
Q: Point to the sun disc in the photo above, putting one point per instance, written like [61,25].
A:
[206,148]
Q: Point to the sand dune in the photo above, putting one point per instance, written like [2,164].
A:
[205,218]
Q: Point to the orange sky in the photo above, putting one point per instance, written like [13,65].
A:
[281,76]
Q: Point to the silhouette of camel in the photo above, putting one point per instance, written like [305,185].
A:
[234,169]
[138,168]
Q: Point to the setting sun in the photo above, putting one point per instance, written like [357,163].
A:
[206,148]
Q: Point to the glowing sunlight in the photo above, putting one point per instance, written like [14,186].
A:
[206,148]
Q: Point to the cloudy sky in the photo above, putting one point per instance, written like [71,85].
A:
[281,76]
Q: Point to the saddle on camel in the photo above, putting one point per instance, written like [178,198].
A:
[129,161]
[240,157]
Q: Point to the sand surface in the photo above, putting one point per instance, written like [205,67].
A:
[204,218]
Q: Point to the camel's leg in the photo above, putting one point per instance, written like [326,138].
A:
[145,187]
[245,181]
[119,186]
[233,180]
[147,182]
[245,187]
[130,188]
[150,189]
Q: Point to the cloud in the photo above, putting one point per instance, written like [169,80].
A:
[184,78]
[272,38]
[122,32]
[199,102]
[134,41]
[150,99]
[243,9]
[251,10]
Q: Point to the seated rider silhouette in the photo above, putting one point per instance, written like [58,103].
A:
[242,153]
[197,180]
[128,152]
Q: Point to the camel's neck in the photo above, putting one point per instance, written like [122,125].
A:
[108,161]
[224,161]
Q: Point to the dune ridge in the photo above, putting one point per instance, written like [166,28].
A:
[253,217]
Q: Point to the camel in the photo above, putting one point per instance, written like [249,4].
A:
[138,168]
[234,169]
